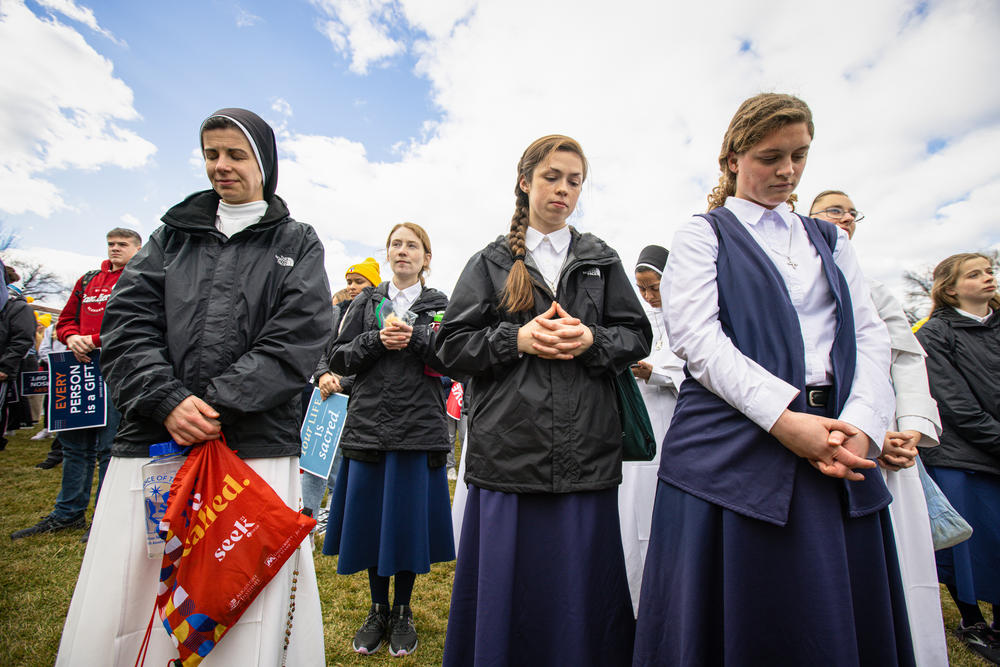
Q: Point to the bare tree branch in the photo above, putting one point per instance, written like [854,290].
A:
[38,281]
[8,237]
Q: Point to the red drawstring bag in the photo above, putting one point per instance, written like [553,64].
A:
[226,533]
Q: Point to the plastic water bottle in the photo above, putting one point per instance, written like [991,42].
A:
[157,476]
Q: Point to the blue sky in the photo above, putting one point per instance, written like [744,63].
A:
[196,57]
[391,110]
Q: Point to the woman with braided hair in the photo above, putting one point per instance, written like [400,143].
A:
[770,542]
[541,320]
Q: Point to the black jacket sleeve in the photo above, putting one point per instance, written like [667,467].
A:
[323,365]
[20,325]
[956,401]
[473,340]
[422,344]
[624,335]
[134,359]
[356,348]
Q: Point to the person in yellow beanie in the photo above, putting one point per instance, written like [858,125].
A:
[359,276]
[362,275]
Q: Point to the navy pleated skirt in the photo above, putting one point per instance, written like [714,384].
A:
[394,515]
[972,567]
[540,580]
[720,588]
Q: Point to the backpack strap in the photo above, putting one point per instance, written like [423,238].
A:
[84,281]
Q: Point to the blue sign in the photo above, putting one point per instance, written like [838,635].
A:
[321,431]
[34,383]
[77,394]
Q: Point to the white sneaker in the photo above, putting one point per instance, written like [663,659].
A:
[42,435]
[452,474]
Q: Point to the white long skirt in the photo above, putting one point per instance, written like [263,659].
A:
[916,564]
[638,490]
[115,592]
[461,493]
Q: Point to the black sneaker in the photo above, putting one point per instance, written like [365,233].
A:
[49,524]
[49,462]
[371,635]
[402,633]
[981,640]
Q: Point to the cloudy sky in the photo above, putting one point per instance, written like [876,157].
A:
[419,110]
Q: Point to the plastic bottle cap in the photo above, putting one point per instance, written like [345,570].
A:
[165,448]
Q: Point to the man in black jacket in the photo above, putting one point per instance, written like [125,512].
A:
[213,329]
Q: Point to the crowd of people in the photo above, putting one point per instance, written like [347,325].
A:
[782,520]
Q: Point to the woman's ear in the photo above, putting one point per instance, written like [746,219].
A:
[524,185]
[732,161]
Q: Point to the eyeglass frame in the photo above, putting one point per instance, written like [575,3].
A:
[858,215]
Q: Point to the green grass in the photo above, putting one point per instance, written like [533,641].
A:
[38,574]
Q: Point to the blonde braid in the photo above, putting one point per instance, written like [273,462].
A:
[518,291]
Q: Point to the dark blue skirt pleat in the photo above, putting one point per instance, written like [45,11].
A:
[720,588]
[394,515]
[972,567]
[540,580]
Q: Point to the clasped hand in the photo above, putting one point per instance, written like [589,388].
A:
[899,450]
[80,346]
[193,421]
[396,335]
[833,447]
[329,384]
[555,334]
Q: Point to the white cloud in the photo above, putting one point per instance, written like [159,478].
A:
[245,19]
[361,29]
[60,111]
[131,222]
[279,105]
[648,89]
[84,15]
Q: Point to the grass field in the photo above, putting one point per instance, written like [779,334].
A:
[38,574]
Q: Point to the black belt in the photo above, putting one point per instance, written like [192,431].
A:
[817,397]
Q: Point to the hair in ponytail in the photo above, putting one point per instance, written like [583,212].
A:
[518,291]
[756,118]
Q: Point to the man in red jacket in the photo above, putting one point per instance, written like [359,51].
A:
[79,327]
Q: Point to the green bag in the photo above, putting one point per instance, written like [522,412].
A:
[638,441]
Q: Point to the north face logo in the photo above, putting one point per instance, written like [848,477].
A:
[284,261]
[592,271]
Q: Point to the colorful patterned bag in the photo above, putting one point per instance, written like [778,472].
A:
[227,534]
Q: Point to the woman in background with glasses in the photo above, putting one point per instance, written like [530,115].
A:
[916,422]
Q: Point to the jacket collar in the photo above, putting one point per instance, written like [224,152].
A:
[956,319]
[429,299]
[583,247]
[196,214]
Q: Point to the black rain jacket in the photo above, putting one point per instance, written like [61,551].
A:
[238,322]
[537,425]
[17,335]
[963,367]
[396,402]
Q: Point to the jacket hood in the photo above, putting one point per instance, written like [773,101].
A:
[261,138]
[583,246]
[197,213]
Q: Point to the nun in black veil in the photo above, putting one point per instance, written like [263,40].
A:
[211,331]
